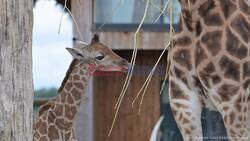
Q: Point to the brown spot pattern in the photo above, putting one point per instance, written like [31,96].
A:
[212,19]
[225,108]
[209,68]
[53,133]
[62,124]
[176,92]
[79,85]
[36,135]
[72,65]
[242,27]
[244,7]
[226,91]
[193,1]
[179,105]
[232,118]
[63,96]
[246,84]
[76,77]
[46,107]
[238,104]
[230,68]
[183,41]
[51,117]
[43,138]
[205,79]
[178,72]
[183,58]
[206,7]
[68,135]
[58,109]
[199,54]
[187,17]
[38,124]
[227,7]
[234,46]
[76,94]
[187,131]
[68,86]
[42,128]
[198,28]
[184,80]
[212,40]
[70,112]
[216,79]
[185,121]
[70,99]
[246,69]
[198,85]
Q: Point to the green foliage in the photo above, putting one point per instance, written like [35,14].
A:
[45,93]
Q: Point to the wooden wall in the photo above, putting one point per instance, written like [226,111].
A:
[125,40]
[129,126]
[83,13]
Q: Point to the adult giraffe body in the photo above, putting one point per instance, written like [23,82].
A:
[210,66]
[55,118]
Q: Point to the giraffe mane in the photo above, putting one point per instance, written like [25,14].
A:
[67,75]
[45,107]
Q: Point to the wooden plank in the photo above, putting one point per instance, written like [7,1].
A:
[83,125]
[129,125]
[82,12]
[124,40]
[16,82]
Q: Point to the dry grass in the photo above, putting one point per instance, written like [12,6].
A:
[75,22]
[132,63]
[144,87]
[167,47]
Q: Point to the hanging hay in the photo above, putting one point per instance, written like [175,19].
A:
[168,47]
[146,83]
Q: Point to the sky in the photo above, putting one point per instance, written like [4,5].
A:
[50,58]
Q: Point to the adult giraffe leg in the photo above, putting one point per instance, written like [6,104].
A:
[235,119]
[186,108]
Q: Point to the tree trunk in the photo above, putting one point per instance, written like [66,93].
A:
[16,86]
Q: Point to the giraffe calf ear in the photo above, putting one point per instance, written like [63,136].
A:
[76,53]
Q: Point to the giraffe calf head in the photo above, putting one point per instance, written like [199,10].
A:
[100,55]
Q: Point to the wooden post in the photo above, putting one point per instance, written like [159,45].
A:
[16,88]
[82,11]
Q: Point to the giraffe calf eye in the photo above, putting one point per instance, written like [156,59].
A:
[99,57]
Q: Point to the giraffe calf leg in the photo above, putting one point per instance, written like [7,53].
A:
[72,135]
[186,108]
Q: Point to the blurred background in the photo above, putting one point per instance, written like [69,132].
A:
[50,59]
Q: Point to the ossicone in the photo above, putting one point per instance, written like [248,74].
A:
[95,38]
